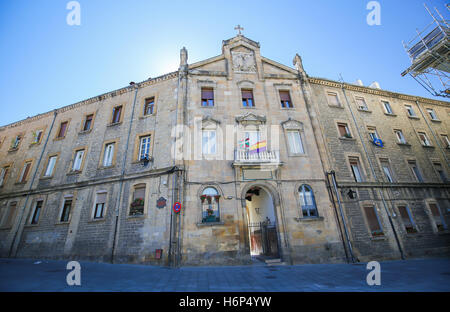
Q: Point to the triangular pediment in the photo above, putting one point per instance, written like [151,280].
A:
[251,118]
[273,68]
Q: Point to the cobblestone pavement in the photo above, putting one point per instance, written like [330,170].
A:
[47,275]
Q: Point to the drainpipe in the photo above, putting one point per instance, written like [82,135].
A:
[119,198]
[18,234]
[432,132]
[374,174]
[333,179]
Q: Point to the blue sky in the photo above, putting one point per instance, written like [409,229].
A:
[46,64]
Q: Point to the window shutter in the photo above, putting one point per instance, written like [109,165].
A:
[101,198]
[139,192]
[372,218]
[207,94]
[247,94]
[284,96]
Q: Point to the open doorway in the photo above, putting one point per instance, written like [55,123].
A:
[262,227]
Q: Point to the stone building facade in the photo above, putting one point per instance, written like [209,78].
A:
[258,155]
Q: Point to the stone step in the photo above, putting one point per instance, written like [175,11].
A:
[276,263]
[272,261]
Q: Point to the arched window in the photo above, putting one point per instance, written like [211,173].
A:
[210,205]
[307,201]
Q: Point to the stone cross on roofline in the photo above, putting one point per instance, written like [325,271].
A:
[239,28]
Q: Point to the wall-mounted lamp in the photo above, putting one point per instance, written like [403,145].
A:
[352,194]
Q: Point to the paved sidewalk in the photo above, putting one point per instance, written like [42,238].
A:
[411,275]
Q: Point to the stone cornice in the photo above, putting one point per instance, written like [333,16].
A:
[94,99]
[336,84]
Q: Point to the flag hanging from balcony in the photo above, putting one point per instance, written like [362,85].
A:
[258,147]
[244,143]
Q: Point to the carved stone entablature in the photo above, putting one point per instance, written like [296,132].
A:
[292,124]
[206,83]
[243,62]
[251,119]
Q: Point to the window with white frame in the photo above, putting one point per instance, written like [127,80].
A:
[209,142]
[446,140]
[295,142]
[410,111]
[415,170]
[356,169]
[108,154]
[50,166]
[387,107]
[67,207]
[432,114]
[99,208]
[36,211]
[144,147]
[373,133]
[16,142]
[25,171]
[3,174]
[400,137]
[78,160]
[424,139]
[307,201]
[387,170]
[37,136]
[138,200]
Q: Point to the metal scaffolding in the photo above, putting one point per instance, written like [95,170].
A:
[429,52]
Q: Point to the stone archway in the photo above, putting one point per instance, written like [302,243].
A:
[262,223]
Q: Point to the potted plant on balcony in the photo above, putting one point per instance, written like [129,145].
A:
[202,198]
[216,197]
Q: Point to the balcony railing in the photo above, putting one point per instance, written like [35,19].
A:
[257,157]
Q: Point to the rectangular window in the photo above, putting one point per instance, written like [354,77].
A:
[333,99]
[445,140]
[438,219]
[208,142]
[441,172]
[387,107]
[117,111]
[373,133]
[62,129]
[432,114]
[25,171]
[108,155]
[78,160]
[373,221]
[9,221]
[285,99]
[88,122]
[37,136]
[247,98]
[410,111]
[36,212]
[356,169]
[207,97]
[424,139]
[16,142]
[100,206]
[3,174]
[66,210]
[387,170]
[407,219]
[138,201]
[50,166]
[144,147]
[344,132]
[295,142]
[361,103]
[400,137]
[149,106]
[415,170]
